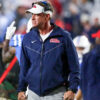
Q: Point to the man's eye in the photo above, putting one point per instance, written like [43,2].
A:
[38,15]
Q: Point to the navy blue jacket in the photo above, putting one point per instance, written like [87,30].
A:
[49,64]
[90,75]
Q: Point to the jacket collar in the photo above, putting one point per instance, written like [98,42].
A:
[56,32]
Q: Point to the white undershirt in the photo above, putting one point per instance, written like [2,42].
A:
[46,35]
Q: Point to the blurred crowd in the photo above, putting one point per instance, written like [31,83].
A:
[80,17]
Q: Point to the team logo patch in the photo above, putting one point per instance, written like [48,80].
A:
[34,6]
[54,40]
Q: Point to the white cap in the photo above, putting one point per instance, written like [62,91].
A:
[37,9]
[82,41]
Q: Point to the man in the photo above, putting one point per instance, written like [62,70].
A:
[49,63]
[90,80]
[82,45]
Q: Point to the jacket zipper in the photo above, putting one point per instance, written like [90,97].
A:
[41,66]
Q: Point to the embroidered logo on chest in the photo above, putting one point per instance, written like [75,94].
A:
[54,40]
[34,6]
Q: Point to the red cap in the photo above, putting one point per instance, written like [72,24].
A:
[97,34]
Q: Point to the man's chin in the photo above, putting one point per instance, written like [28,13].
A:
[34,26]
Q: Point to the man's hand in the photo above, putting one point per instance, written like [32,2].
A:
[79,95]
[10,31]
[69,95]
[21,96]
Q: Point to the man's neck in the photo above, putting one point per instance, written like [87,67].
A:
[45,29]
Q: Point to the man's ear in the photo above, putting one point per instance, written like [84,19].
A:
[47,16]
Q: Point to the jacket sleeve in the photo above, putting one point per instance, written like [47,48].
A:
[24,65]
[83,75]
[73,64]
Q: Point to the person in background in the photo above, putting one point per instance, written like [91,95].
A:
[49,63]
[11,48]
[12,43]
[90,71]
[83,46]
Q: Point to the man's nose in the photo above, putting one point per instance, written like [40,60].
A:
[33,16]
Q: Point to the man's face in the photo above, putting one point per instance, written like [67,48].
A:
[80,50]
[38,19]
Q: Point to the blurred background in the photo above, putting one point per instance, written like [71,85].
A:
[79,17]
[76,16]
